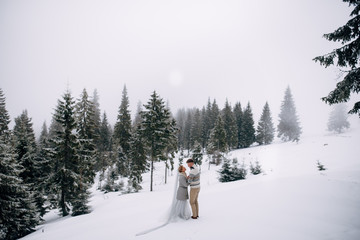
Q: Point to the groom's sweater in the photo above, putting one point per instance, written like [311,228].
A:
[194,177]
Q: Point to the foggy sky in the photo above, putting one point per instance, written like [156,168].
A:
[188,51]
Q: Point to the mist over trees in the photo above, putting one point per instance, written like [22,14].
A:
[338,118]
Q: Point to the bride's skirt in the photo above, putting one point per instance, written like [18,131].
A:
[181,209]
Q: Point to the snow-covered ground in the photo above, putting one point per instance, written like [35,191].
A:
[291,200]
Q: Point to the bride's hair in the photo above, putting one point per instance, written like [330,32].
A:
[180,168]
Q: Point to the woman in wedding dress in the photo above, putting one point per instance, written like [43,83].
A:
[181,208]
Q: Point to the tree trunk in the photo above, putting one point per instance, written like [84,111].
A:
[152,173]
[165,172]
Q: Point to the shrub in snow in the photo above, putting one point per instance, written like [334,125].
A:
[320,166]
[232,172]
[255,169]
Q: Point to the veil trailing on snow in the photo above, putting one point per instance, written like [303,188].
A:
[171,215]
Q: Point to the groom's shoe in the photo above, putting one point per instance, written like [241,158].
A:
[194,217]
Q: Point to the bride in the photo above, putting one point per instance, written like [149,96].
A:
[181,208]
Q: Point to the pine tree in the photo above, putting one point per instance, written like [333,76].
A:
[187,131]
[104,146]
[96,119]
[4,115]
[217,141]
[122,133]
[338,118]
[265,130]
[347,58]
[197,154]
[225,172]
[44,136]
[18,215]
[289,127]
[28,158]
[196,128]
[247,128]
[25,146]
[137,118]
[138,163]
[65,176]
[86,133]
[230,126]
[156,130]
[238,113]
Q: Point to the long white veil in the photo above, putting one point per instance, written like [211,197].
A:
[171,211]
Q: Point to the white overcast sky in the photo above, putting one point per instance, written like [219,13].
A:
[186,50]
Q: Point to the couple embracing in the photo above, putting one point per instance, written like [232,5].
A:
[182,196]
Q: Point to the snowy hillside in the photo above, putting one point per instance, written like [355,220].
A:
[291,200]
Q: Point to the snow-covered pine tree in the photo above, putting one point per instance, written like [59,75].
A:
[265,130]
[138,163]
[338,118]
[65,176]
[122,133]
[217,141]
[43,170]
[156,131]
[187,130]
[226,175]
[247,128]
[4,115]
[204,133]
[289,127]
[25,146]
[104,147]
[96,119]
[18,215]
[197,154]
[28,157]
[196,128]
[87,136]
[238,113]
[230,126]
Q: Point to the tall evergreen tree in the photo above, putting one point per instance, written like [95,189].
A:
[196,128]
[289,127]
[247,128]
[265,130]
[87,134]
[25,146]
[122,132]
[18,215]
[156,130]
[138,163]
[338,118]
[347,57]
[187,130]
[238,113]
[4,115]
[230,126]
[217,141]
[65,176]
[137,118]
[44,136]
[97,115]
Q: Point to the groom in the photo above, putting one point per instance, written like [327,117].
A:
[194,180]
